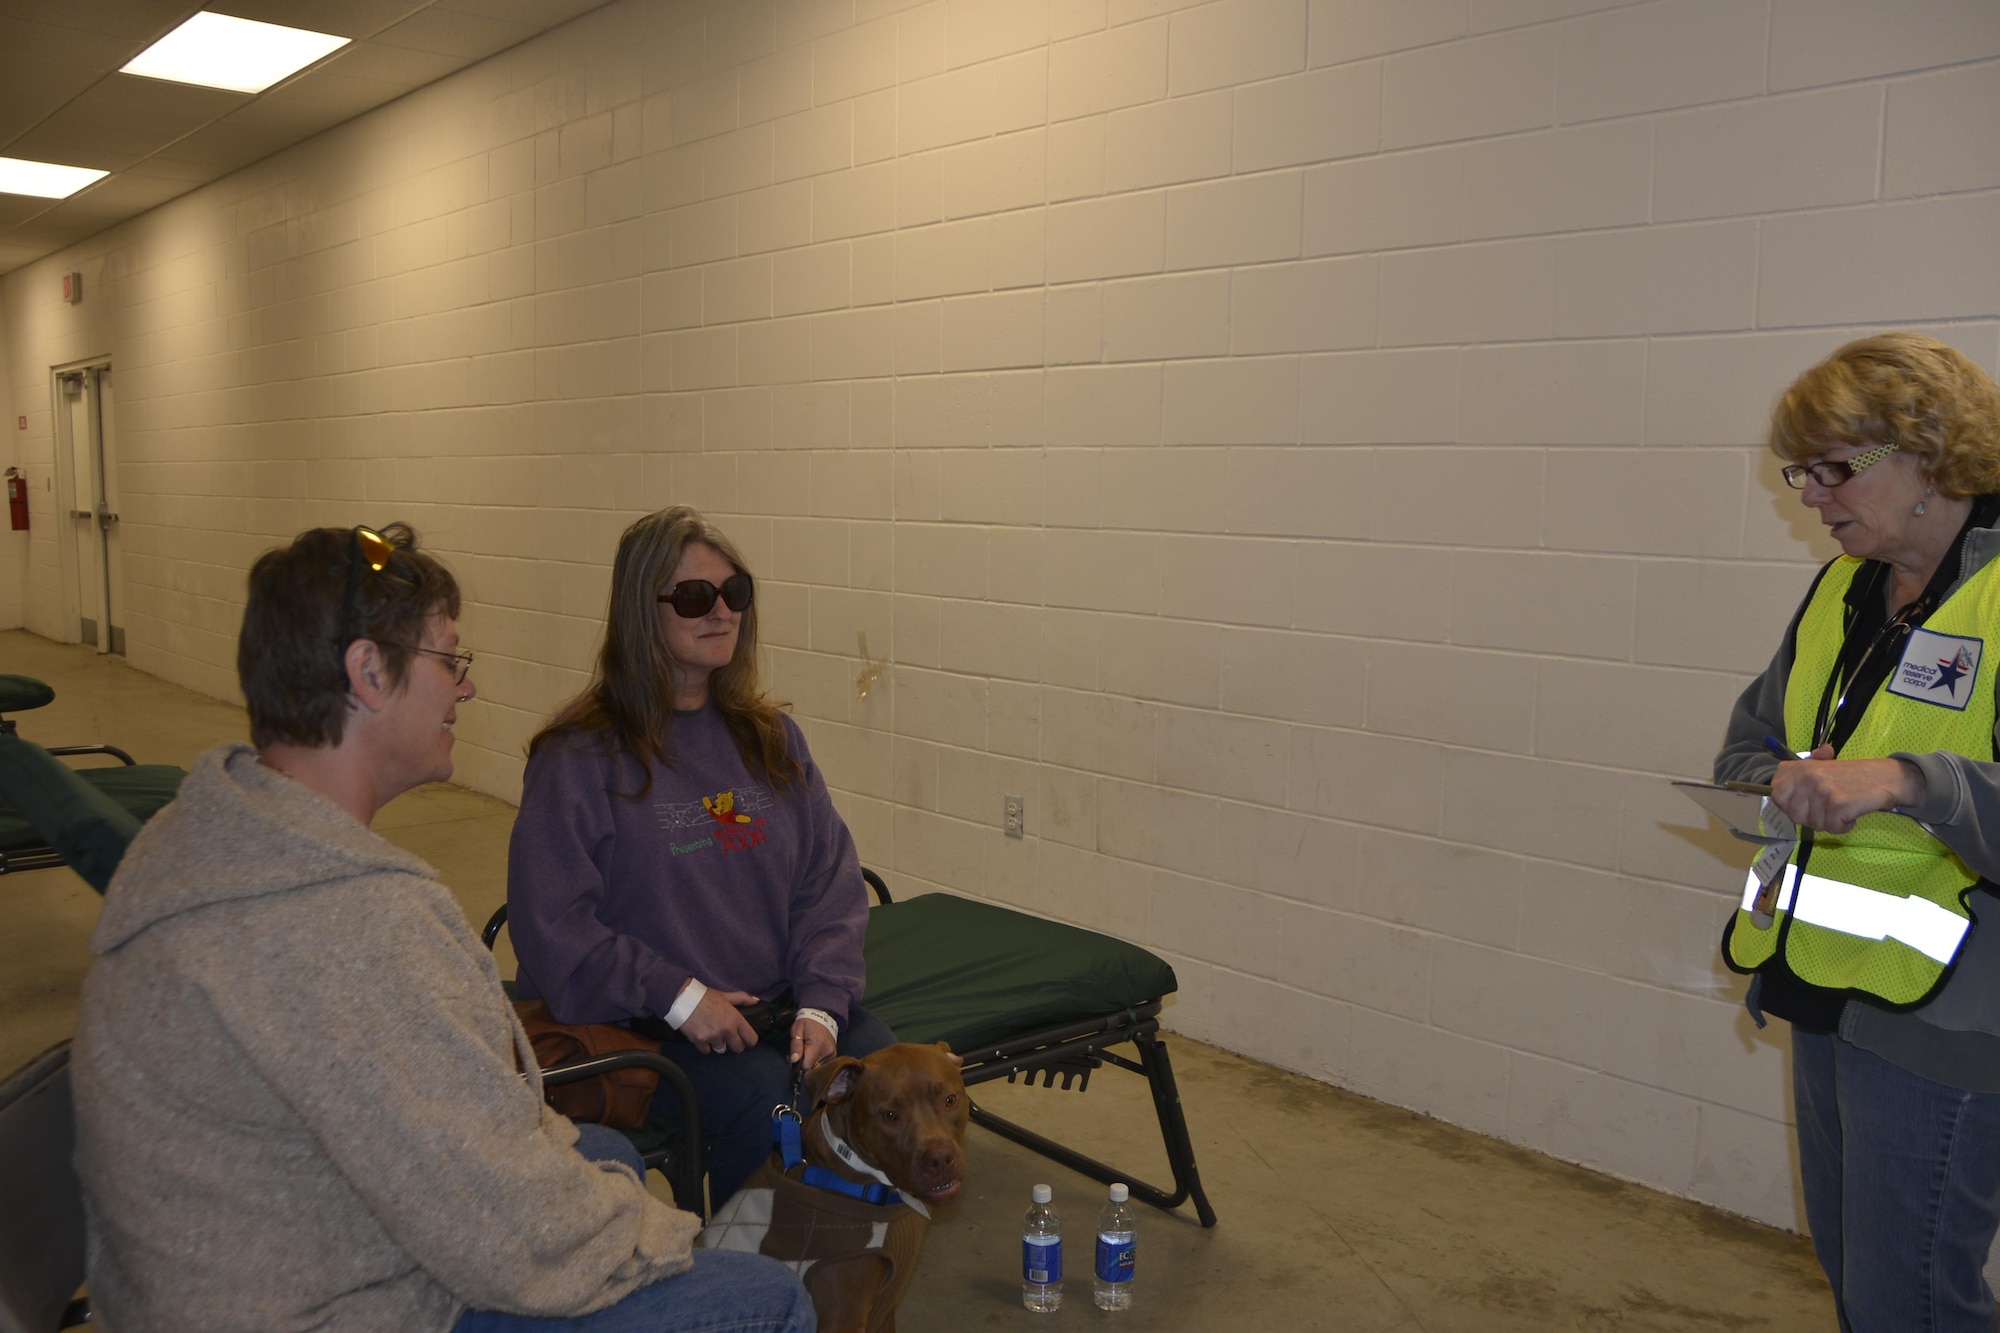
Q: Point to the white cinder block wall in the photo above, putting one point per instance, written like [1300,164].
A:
[1307,449]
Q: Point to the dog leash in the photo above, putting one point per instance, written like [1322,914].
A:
[786,1119]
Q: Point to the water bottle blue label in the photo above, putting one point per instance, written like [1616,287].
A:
[1115,1259]
[1041,1262]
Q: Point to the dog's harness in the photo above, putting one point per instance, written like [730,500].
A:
[785,1137]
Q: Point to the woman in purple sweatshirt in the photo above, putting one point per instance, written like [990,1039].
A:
[677,855]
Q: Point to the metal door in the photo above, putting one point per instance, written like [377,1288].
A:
[84,417]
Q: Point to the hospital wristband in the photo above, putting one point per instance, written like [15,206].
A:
[684,1003]
[824,1019]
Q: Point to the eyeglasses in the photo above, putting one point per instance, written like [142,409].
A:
[1832,474]
[694,598]
[461,661]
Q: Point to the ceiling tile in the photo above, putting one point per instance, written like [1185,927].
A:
[395,64]
[166,166]
[18,208]
[111,201]
[19,114]
[124,95]
[543,14]
[346,18]
[330,97]
[141,20]
[95,48]
[448,32]
[221,155]
[122,111]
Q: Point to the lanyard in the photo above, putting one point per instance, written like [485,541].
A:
[1838,684]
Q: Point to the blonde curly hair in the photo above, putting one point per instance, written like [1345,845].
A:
[1927,398]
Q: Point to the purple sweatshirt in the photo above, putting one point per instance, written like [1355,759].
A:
[614,903]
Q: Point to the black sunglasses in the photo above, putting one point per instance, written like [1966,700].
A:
[694,598]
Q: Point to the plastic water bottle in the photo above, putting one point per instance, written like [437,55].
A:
[1041,1255]
[1116,1248]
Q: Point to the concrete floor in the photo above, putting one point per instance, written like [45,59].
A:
[1336,1212]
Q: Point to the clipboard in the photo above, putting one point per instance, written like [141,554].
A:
[1739,805]
[1745,808]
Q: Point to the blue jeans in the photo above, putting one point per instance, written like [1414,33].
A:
[1902,1185]
[722,1293]
[737,1093]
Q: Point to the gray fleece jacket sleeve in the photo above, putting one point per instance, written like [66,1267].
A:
[1961,806]
[407,1083]
[1759,712]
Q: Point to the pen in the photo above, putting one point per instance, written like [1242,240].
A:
[1776,747]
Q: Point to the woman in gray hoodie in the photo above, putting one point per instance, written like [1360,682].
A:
[299,1087]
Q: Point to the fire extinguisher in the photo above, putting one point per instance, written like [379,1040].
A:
[17,500]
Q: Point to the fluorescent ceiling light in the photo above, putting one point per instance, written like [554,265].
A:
[45,180]
[241,55]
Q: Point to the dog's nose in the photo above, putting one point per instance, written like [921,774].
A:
[941,1160]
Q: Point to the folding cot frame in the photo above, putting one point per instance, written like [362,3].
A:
[43,855]
[1072,1051]
[36,780]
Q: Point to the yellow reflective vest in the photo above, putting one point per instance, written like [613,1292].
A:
[1880,910]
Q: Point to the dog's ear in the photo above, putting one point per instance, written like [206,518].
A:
[945,1046]
[833,1081]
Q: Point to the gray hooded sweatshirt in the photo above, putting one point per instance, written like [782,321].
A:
[298,1104]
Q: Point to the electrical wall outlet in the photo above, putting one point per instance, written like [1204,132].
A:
[1014,817]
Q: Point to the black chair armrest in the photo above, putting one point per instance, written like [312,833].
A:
[491,930]
[875,882]
[684,1170]
[112,750]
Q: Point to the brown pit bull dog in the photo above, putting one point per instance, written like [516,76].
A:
[895,1118]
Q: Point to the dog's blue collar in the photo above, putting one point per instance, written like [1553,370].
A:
[826,1178]
[785,1137]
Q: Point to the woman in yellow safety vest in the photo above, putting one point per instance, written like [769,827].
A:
[1868,937]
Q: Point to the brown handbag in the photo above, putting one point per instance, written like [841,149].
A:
[619,1099]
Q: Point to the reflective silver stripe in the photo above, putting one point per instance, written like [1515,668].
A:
[1750,887]
[1853,910]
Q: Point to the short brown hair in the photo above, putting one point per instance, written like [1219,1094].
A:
[291,655]
[1925,397]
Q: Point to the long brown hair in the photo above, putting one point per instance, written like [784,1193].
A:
[629,702]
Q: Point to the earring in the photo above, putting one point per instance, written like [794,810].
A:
[1919,510]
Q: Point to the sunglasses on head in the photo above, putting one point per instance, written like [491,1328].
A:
[694,598]
[366,549]
[370,550]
